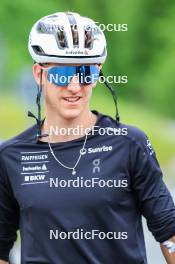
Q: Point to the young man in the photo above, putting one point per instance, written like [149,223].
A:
[78,198]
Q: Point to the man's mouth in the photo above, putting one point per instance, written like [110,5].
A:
[72,99]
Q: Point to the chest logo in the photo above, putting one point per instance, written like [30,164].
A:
[96,165]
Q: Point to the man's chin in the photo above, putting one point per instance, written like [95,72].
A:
[71,114]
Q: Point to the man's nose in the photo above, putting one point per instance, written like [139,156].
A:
[74,85]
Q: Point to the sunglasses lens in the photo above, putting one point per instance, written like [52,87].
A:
[92,74]
[62,75]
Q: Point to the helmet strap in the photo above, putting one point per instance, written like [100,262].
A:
[114,95]
[38,103]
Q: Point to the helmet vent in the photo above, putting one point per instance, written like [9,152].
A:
[74,29]
[38,50]
[62,41]
[43,28]
[89,39]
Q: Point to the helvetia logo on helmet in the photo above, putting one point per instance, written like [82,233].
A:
[77,52]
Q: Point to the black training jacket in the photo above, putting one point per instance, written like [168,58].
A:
[92,217]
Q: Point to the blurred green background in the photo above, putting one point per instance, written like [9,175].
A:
[145,53]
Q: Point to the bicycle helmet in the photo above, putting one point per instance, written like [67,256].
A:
[67,38]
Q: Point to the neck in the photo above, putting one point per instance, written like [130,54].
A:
[61,129]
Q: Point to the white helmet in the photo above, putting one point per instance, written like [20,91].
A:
[67,37]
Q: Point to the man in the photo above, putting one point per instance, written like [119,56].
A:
[78,198]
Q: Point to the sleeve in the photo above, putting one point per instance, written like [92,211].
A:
[152,196]
[9,215]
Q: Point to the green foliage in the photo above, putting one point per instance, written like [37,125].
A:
[145,52]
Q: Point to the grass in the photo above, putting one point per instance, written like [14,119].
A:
[12,117]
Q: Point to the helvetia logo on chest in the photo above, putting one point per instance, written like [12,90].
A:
[35,168]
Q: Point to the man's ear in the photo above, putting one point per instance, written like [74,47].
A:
[94,85]
[100,66]
[37,72]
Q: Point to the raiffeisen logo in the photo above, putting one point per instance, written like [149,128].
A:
[99,149]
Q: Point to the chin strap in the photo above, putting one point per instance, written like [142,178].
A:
[114,95]
[38,102]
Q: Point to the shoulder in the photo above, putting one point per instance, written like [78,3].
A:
[132,134]
[25,136]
